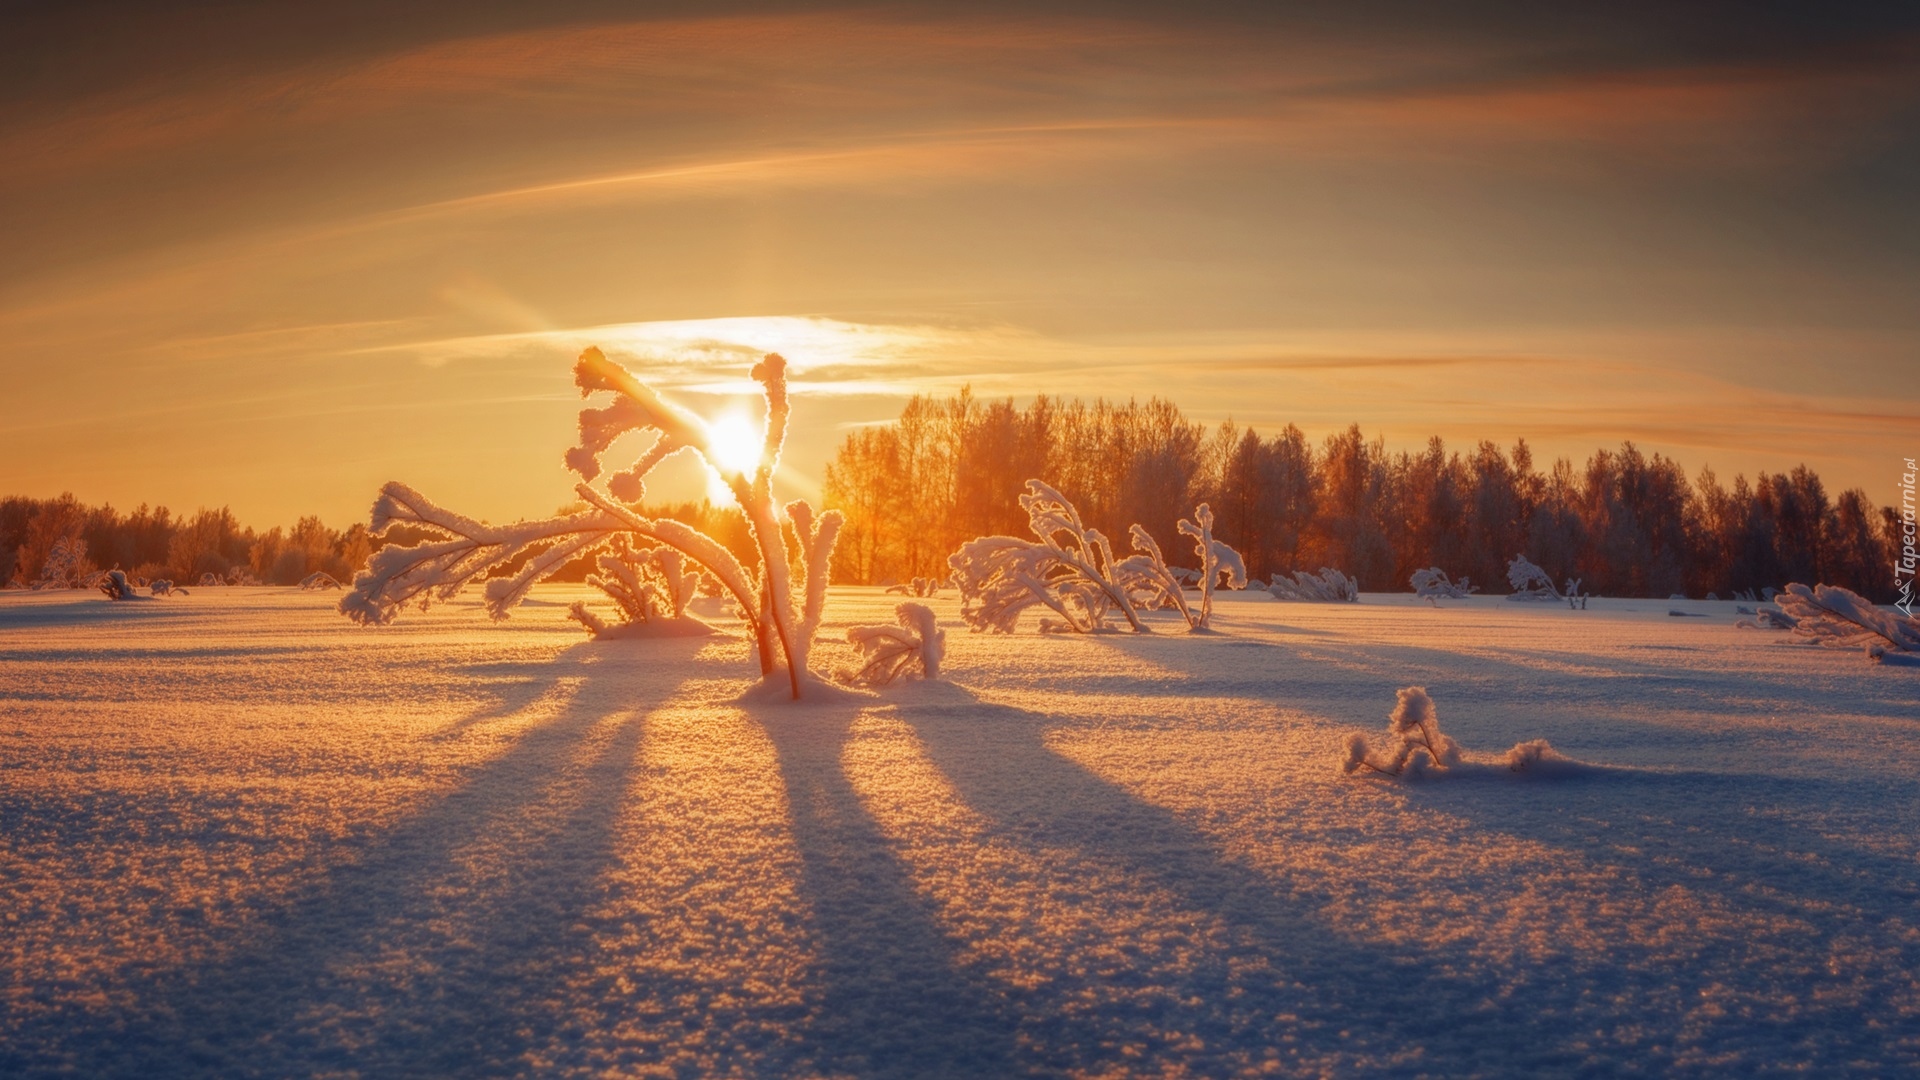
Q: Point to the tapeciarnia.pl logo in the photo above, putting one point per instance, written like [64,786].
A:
[1903,560]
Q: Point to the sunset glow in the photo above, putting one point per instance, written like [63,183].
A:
[282,243]
[896,540]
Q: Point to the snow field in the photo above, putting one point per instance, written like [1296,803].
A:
[239,835]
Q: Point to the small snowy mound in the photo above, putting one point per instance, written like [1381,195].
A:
[1415,746]
[319,579]
[115,585]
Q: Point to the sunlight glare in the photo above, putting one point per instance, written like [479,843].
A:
[736,443]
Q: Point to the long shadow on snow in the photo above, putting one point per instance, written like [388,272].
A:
[1701,832]
[1475,704]
[1348,996]
[896,1000]
[357,974]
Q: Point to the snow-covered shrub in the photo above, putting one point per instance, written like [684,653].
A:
[241,575]
[115,585]
[1529,582]
[1433,583]
[163,587]
[782,613]
[1069,569]
[1415,744]
[650,587]
[1576,600]
[1840,618]
[1147,576]
[319,579]
[209,579]
[1328,586]
[891,651]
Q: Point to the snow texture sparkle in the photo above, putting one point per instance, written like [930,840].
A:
[242,836]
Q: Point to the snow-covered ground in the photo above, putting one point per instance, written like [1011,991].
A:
[241,836]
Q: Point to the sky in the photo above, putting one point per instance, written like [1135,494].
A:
[272,256]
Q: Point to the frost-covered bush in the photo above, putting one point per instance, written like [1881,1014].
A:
[650,588]
[782,611]
[1328,586]
[319,579]
[1529,582]
[1415,744]
[889,652]
[1433,583]
[116,586]
[1147,576]
[241,575]
[1069,568]
[163,587]
[209,579]
[1840,618]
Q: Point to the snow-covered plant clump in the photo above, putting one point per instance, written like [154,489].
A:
[209,579]
[319,579]
[1069,568]
[920,586]
[163,587]
[782,612]
[1840,618]
[889,652]
[1415,745]
[116,586]
[1434,584]
[1328,586]
[1147,577]
[650,587]
[1529,582]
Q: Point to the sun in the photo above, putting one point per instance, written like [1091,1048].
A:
[736,443]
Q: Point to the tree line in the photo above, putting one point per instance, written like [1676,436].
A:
[1625,523]
[154,543]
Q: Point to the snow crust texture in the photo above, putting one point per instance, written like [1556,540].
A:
[240,836]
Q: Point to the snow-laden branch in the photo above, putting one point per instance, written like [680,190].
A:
[1147,576]
[1218,562]
[1840,618]
[889,652]
[463,550]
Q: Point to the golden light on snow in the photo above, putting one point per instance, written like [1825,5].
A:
[1085,856]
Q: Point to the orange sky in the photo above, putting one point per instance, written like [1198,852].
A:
[272,259]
